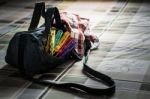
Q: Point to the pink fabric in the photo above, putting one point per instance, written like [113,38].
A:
[79,28]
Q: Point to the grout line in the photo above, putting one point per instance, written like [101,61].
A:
[113,20]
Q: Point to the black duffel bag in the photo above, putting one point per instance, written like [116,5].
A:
[26,52]
[26,49]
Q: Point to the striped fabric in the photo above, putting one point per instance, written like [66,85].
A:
[79,29]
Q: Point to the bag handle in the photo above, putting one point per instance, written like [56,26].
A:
[39,10]
[51,15]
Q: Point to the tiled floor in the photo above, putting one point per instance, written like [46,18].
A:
[123,28]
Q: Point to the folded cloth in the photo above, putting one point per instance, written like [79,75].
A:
[79,29]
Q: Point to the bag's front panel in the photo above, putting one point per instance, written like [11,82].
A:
[35,59]
[32,56]
[12,51]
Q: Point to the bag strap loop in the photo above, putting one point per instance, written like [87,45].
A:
[51,15]
[39,10]
[80,87]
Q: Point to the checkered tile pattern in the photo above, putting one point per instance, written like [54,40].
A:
[124,52]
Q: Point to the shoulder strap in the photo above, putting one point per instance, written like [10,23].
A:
[80,87]
[39,10]
[86,69]
[95,75]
